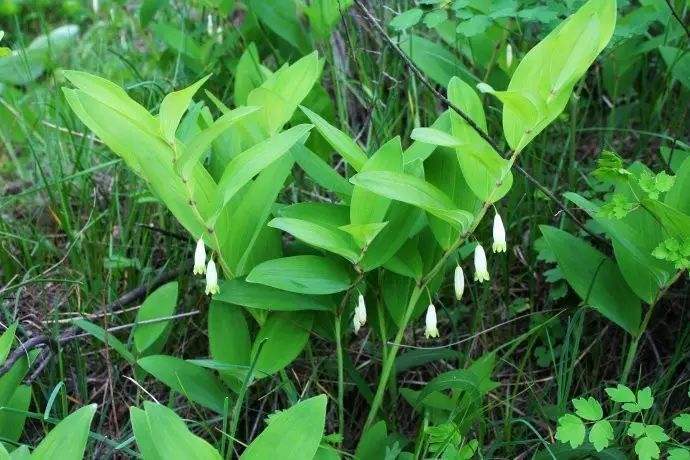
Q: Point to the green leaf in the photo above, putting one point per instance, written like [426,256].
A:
[433,59]
[595,278]
[435,137]
[282,19]
[105,337]
[160,303]
[295,432]
[14,416]
[320,171]
[656,433]
[636,429]
[621,394]
[341,142]
[174,105]
[228,337]
[647,449]
[367,207]
[239,292]
[196,383]
[678,454]
[406,19]
[113,96]
[372,443]
[161,434]
[645,398]
[284,336]
[252,161]
[247,219]
[320,236]
[588,409]
[196,148]
[569,50]
[306,274]
[67,441]
[683,421]
[571,430]
[415,191]
[601,435]
[474,26]
[6,340]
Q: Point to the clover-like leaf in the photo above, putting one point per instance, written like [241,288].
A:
[601,434]
[645,398]
[647,449]
[656,432]
[683,421]
[588,409]
[571,430]
[621,394]
[636,429]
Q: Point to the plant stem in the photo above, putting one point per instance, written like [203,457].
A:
[417,292]
[341,379]
[632,351]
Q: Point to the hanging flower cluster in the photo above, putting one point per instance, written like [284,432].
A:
[481,272]
[201,268]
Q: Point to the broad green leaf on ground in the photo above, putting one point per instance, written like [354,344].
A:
[280,340]
[163,435]
[571,430]
[595,278]
[14,416]
[372,443]
[160,303]
[295,432]
[6,340]
[228,336]
[240,292]
[196,383]
[67,440]
[320,171]
[306,274]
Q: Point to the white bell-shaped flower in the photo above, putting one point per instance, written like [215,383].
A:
[430,330]
[499,235]
[509,55]
[481,273]
[360,313]
[209,25]
[459,282]
[211,278]
[200,258]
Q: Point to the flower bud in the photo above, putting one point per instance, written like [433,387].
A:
[509,55]
[211,278]
[459,282]
[481,273]
[431,330]
[200,258]
[499,235]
